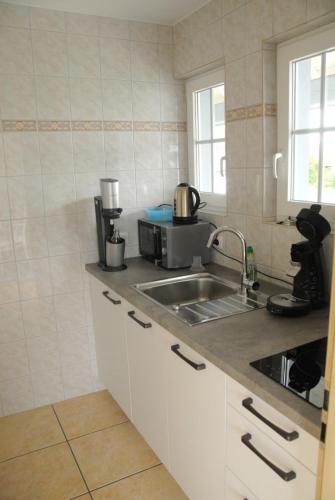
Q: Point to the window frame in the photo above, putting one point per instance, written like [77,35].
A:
[302,47]
[216,203]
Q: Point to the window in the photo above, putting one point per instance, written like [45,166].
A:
[207,149]
[306,123]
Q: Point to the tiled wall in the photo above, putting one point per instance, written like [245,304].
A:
[239,28]
[81,97]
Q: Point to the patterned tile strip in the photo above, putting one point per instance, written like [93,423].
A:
[83,126]
[147,126]
[54,126]
[254,111]
[19,125]
[118,126]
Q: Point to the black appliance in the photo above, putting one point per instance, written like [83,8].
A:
[173,246]
[300,370]
[106,211]
[308,285]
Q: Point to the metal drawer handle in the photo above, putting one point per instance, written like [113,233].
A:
[197,366]
[116,302]
[289,436]
[131,314]
[286,476]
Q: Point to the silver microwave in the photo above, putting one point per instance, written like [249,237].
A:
[173,246]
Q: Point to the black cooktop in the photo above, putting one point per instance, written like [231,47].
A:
[301,370]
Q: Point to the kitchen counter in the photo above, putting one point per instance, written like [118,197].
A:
[231,343]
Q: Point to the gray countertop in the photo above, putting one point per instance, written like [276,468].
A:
[231,343]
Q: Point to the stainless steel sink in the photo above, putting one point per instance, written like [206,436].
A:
[199,298]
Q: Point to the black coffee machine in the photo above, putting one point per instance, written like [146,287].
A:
[308,285]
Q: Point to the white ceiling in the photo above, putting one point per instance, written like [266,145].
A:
[154,11]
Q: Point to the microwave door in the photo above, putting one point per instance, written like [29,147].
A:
[150,242]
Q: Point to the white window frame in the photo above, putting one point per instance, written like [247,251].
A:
[216,203]
[304,46]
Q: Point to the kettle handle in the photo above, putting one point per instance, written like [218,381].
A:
[194,207]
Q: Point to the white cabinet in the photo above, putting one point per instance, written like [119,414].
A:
[146,346]
[109,315]
[216,449]
[196,420]
[266,468]
[235,489]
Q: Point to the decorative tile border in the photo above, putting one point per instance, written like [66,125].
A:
[254,111]
[54,126]
[147,126]
[89,126]
[118,126]
[19,125]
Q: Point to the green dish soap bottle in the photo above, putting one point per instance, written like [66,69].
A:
[252,269]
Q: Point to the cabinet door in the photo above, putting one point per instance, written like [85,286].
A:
[109,315]
[196,423]
[145,341]
[235,489]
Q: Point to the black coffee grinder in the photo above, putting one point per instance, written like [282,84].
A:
[308,285]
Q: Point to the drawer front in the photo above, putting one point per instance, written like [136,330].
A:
[235,489]
[304,448]
[259,476]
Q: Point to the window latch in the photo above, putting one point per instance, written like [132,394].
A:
[275,158]
[222,172]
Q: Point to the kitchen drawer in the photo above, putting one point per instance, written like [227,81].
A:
[235,489]
[304,448]
[265,482]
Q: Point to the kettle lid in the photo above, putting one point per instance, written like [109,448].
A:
[183,184]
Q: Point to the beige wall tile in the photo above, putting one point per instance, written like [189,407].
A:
[115,58]
[9,290]
[84,56]
[25,196]
[11,324]
[34,278]
[22,154]
[15,51]
[116,28]
[144,61]
[143,32]
[39,317]
[146,105]
[16,395]
[287,14]
[45,19]
[81,23]
[53,98]
[317,8]
[86,100]
[17,97]
[50,53]
[6,249]
[16,16]
[13,360]
[117,100]
[30,238]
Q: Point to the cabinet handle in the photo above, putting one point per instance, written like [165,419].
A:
[289,436]
[116,302]
[286,476]
[131,314]
[197,366]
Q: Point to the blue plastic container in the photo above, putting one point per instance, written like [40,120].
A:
[162,214]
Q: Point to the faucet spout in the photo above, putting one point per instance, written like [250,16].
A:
[245,282]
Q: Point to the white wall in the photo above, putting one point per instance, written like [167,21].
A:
[81,97]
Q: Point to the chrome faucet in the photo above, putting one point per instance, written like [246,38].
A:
[246,283]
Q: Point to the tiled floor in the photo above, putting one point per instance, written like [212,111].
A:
[80,448]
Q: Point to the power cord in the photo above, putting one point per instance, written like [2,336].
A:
[240,262]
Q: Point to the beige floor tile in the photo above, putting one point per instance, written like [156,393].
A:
[89,413]
[49,474]
[153,484]
[28,431]
[112,454]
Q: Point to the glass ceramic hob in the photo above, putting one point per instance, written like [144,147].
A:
[300,370]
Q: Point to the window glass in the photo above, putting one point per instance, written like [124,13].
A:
[328,173]
[330,90]
[306,167]
[210,155]
[312,137]
[205,167]
[307,93]
[204,115]
[218,112]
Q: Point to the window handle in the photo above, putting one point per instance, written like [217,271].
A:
[222,170]
[275,158]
